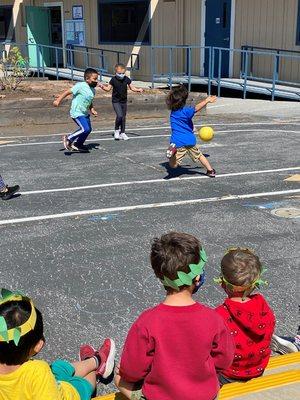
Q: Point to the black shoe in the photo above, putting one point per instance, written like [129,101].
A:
[211,173]
[9,193]
[79,147]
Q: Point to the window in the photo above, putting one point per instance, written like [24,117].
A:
[124,21]
[5,20]
[298,26]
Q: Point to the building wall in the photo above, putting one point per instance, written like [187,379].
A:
[268,23]
[265,23]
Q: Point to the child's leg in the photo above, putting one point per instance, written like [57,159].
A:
[2,185]
[204,161]
[84,126]
[126,388]
[196,155]
[119,115]
[87,370]
[175,159]
[124,112]
[87,130]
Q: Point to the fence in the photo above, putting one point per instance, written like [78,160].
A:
[252,69]
[44,59]
[210,65]
[282,69]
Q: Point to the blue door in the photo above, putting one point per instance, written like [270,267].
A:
[217,33]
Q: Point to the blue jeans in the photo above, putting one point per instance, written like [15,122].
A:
[85,128]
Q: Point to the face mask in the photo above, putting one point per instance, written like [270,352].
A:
[200,283]
[120,76]
[93,84]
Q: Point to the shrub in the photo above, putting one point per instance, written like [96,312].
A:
[13,69]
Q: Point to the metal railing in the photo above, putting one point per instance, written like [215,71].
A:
[257,50]
[132,60]
[46,58]
[179,60]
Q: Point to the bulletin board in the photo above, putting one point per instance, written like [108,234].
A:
[75,32]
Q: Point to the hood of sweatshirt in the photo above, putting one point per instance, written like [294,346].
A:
[252,315]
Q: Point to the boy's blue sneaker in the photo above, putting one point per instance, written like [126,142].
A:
[285,345]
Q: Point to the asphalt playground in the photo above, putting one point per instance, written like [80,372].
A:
[77,239]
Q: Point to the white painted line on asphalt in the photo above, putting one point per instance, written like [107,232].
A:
[128,183]
[146,206]
[148,137]
[154,128]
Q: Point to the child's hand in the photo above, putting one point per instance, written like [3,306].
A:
[56,103]
[211,99]
[140,90]
[101,86]
[94,112]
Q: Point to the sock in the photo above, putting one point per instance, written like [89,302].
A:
[97,360]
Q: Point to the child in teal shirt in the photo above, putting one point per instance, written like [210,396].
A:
[82,104]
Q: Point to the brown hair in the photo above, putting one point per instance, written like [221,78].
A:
[174,252]
[120,65]
[240,267]
[177,98]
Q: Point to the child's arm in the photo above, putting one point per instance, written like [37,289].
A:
[93,111]
[223,347]
[107,87]
[60,98]
[135,89]
[137,355]
[202,104]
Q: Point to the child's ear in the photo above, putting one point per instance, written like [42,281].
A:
[38,347]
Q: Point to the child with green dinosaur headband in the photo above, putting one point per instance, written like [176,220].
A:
[22,337]
[248,316]
[177,348]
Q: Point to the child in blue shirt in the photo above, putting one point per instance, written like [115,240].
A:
[183,140]
[82,105]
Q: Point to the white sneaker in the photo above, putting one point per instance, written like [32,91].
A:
[123,136]
[117,135]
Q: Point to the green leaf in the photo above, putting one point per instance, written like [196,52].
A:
[196,269]
[218,280]
[168,282]
[203,255]
[5,293]
[3,325]
[185,278]
[17,336]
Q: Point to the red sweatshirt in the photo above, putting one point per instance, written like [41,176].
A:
[176,352]
[251,324]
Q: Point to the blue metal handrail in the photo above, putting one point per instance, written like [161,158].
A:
[215,59]
[257,50]
[71,52]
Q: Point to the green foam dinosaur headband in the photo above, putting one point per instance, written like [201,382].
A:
[14,334]
[257,283]
[187,278]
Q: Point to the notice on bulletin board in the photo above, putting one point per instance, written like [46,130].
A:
[75,32]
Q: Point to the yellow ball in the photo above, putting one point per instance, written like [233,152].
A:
[206,133]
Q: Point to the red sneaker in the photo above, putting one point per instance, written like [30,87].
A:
[106,354]
[171,150]
[86,351]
